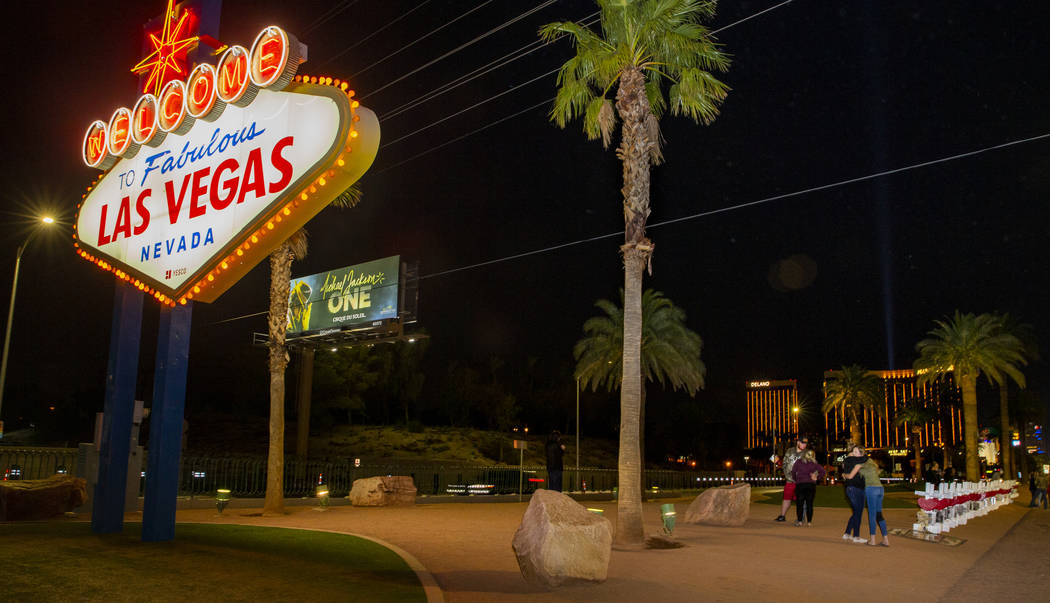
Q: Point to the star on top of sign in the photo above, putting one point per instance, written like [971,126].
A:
[164,57]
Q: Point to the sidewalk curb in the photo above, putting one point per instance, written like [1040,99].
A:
[426,579]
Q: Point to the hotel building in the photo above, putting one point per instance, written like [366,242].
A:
[772,411]
[879,429]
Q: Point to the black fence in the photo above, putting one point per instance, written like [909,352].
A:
[246,477]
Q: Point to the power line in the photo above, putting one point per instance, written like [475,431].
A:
[712,212]
[420,39]
[475,105]
[503,61]
[488,33]
[458,138]
[329,14]
[374,33]
[721,210]
[735,23]
[432,149]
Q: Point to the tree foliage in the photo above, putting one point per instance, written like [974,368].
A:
[670,350]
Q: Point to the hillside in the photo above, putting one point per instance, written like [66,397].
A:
[225,435]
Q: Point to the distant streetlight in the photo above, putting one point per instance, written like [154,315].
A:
[11,310]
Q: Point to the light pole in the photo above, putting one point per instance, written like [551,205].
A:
[11,312]
[577,427]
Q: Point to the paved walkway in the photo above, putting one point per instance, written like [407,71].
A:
[467,549]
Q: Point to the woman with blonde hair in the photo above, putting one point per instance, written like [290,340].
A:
[806,473]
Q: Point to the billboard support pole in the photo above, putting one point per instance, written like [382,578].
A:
[166,418]
[107,515]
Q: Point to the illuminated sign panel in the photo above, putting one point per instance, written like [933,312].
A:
[344,297]
[200,191]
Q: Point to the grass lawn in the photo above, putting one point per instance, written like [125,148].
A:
[64,560]
[835,496]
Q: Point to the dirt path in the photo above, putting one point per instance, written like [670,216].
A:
[467,549]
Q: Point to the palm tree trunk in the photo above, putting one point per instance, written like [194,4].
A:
[969,395]
[854,431]
[280,279]
[918,458]
[641,437]
[1005,436]
[633,107]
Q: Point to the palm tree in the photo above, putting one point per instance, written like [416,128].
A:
[851,391]
[294,248]
[643,47]
[915,414]
[1023,332]
[967,345]
[670,351]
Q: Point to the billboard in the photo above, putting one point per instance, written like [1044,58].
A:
[345,297]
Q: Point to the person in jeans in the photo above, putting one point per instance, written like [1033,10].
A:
[854,492]
[806,473]
[791,455]
[873,495]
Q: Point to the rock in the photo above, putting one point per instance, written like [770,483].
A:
[33,499]
[721,506]
[560,541]
[383,491]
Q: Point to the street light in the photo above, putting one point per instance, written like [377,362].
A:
[11,311]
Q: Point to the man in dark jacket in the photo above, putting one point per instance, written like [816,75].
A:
[555,451]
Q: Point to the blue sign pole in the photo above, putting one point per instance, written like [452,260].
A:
[165,434]
[107,514]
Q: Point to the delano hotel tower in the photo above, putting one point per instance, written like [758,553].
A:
[772,411]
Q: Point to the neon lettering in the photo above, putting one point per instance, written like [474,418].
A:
[175,206]
[199,190]
[123,225]
[253,176]
[230,185]
[283,165]
[140,209]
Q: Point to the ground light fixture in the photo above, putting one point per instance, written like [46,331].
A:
[322,497]
[667,513]
[222,498]
[596,511]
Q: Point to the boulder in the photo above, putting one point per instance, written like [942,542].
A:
[560,541]
[721,506]
[33,499]
[383,491]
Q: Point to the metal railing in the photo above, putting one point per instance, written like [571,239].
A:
[36,463]
[246,477]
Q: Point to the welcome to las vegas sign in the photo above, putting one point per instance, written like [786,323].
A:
[202,181]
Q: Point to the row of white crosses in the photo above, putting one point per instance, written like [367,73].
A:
[952,505]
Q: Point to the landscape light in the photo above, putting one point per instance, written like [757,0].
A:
[596,511]
[222,498]
[322,497]
[668,514]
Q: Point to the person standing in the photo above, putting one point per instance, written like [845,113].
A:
[807,472]
[854,492]
[1042,481]
[1033,488]
[555,452]
[873,495]
[791,456]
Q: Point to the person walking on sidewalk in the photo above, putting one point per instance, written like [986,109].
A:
[873,495]
[791,455]
[555,451]
[807,472]
[854,492]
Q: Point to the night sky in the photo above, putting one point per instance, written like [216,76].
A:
[822,92]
